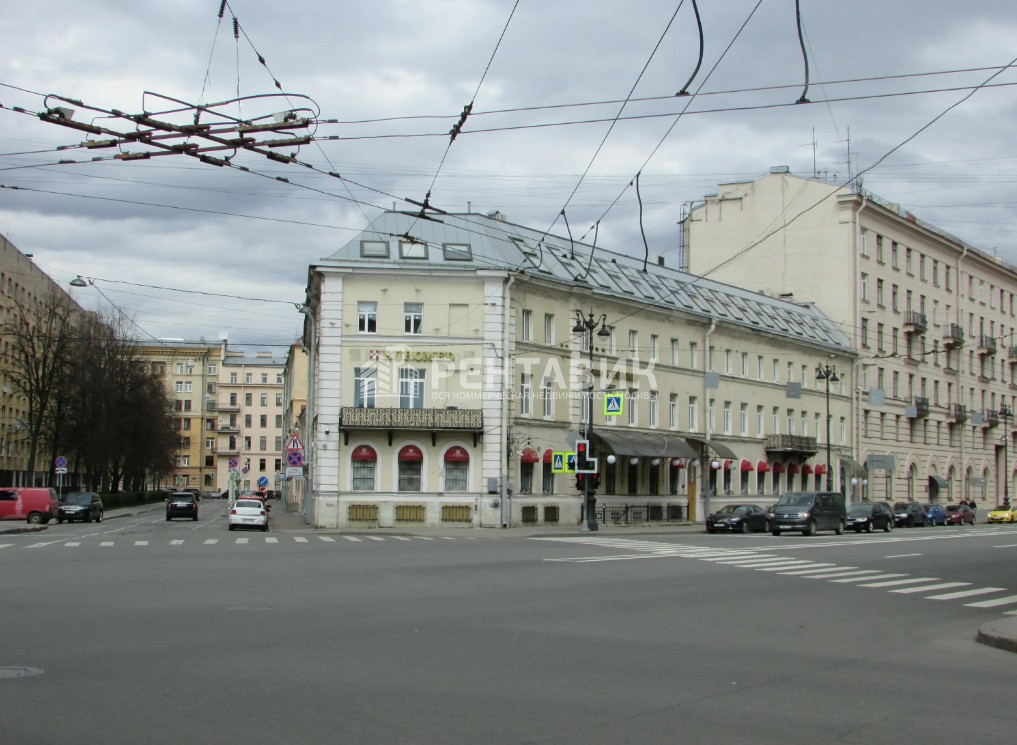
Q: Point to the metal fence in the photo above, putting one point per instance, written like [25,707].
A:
[630,514]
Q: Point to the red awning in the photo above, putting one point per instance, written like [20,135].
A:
[820,469]
[746,465]
[410,453]
[457,455]
[778,468]
[763,467]
[364,453]
[529,456]
[806,469]
[677,463]
[547,456]
[792,468]
[728,465]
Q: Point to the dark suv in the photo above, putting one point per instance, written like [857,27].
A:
[809,512]
[908,515]
[80,505]
[182,504]
[870,516]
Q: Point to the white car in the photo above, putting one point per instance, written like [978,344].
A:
[248,513]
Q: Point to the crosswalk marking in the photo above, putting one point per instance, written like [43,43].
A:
[966,593]
[327,538]
[299,539]
[176,542]
[812,567]
[5,545]
[351,538]
[865,579]
[243,540]
[814,570]
[1008,600]
[930,588]
[141,543]
[898,582]
[375,538]
[73,543]
[107,543]
[401,538]
[857,573]
[271,539]
[210,541]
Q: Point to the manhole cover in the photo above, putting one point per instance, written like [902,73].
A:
[14,671]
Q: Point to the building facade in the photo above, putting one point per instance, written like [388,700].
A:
[931,317]
[249,426]
[294,422]
[447,373]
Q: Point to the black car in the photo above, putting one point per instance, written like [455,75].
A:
[908,515]
[869,516]
[738,518]
[182,504]
[80,505]
[809,512]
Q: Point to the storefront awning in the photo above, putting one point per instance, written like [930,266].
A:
[746,466]
[457,455]
[806,469]
[853,467]
[762,467]
[939,481]
[719,448]
[646,444]
[529,455]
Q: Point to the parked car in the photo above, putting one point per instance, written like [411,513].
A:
[935,514]
[809,512]
[81,505]
[33,504]
[182,504]
[958,514]
[870,516]
[738,518]
[908,515]
[1005,514]
[248,513]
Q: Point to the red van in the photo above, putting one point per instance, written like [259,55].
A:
[34,504]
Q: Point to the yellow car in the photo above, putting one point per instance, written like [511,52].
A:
[1003,515]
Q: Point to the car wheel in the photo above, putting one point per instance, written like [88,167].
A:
[264,529]
[60,520]
[87,518]
[232,527]
[99,517]
[35,518]
[868,527]
[168,518]
[711,530]
[745,526]
[840,528]
[775,531]
[810,529]
[888,527]
[195,517]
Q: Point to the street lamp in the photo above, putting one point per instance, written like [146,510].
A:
[829,374]
[309,312]
[1006,413]
[587,325]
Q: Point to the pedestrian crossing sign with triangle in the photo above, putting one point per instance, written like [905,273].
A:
[294,443]
[614,403]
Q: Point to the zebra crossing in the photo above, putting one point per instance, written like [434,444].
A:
[240,540]
[928,588]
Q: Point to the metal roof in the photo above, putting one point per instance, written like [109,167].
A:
[469,242]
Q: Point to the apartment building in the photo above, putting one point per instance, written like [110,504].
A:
[931,317]
[451,362]
[249,408]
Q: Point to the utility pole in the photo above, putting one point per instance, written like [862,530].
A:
[829,374]
[586,325]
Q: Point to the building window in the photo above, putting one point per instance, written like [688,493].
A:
[248,378]
[264,399]
[879,293]
[365,389]
[374,249]
[248,399]
[363,467]
[410,462]
[412,250]
[693,355]
[634,344]
[549,328]
[526,330]
[760,423]
[632,407]
[457,468]
[654,347]
[727,417]
[653,409]
[675,346]
[367,314]
[525,391]
[411,388]
[547,480]
[457,252]
[865,287]
[693,414]
[547,394]
[743,413]
[233,378]
[673,411]
[413,318]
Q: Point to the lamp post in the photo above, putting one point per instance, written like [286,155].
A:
[829,374]
[586,325]
[309,512]
[1006,413]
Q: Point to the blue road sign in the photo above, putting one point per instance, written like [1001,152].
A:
[614,403]
[263,481]
[570,462]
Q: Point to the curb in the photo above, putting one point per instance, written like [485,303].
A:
[1000,633]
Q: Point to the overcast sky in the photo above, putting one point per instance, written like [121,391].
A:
[396,75]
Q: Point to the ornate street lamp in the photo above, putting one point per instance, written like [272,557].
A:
[1006,413]
[587,325]
[829,374]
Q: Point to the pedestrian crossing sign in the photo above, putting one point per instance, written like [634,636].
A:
[614,403]
[562,462]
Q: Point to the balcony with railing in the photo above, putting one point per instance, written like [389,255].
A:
[228,429]
[227,407]
[921,407]
[959,413]
[1011,352]
[991,418]
[986,344]
[791,445]
[915,322]
[953,335]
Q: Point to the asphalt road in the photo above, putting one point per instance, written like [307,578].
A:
[140,630]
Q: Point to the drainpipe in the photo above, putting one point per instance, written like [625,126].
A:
[856,392]
[960,296]
[704,462]
[506,507]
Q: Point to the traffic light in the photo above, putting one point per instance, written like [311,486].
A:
[581,483]
[584,463]
[595,484]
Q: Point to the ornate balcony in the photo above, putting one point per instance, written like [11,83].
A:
[991,418]
[791,445]
[986,344]
[959,413]
[921,407]
[915,322]
[1011,352]
[227,407]
[228,429]
[953,335]
[426,420]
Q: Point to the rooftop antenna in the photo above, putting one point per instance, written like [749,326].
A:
[812,144]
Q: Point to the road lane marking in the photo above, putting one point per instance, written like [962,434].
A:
[858,573]
[375,538]
[1008,600]
[209,541]
[929,588]
[749,561]
[73,543]
[107,543]
[423,538]
[271,539]
[901,556]
[299,539]
[351,538]
[898,582]
[243,540]
[966,593]
[816,569]
[6,545]
[401,538]
[176,542]
[326,538]
[141,543]
[797,564]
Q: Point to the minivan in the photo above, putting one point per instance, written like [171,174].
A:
[33,504]
[809,512]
